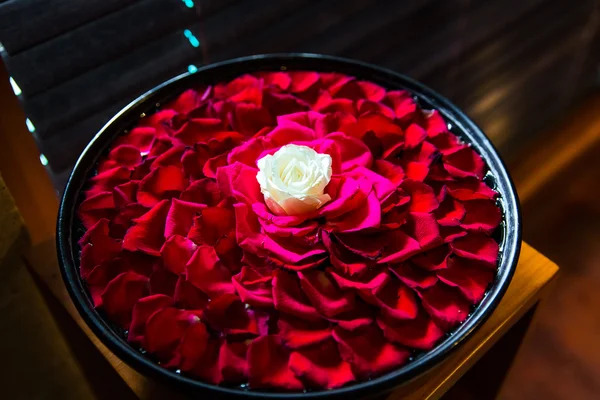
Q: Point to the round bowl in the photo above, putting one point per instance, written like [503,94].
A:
[69,229]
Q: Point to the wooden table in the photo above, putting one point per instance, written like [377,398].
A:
[532,277]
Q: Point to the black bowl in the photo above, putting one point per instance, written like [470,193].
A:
[69,229]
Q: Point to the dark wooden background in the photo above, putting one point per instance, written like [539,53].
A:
[515,66]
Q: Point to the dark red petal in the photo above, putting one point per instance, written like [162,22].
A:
[159,184]
[341,258]
[445,305]
[419,333]
[470,189]
[289,298]
[105,181]
[422,196]
[188,296]
[360,316]
[451,233]
[365,107]
[171,157]
[181,217]
[99,277]
[464,163]
[140,137]
[446,143]
[400,247]
[147,235]
[176,252]
[121,294]
[424,228]
[233,361]
[164,331]
[268,365]
[281,80]
[476,247]
[416,170]
[394,173]
[354,152]
[367,215]
[125,194]
[323,293]
[413,276]
[297,333]
[321,366]
[396,300]
[239,180]
[368,281]
[302,80]
[163,281]
[414,136]
[468,276]
[368,352]
[450,212]
[96,207]
[198,130]
[227,314]
[435,124]
[193,345]
[434,259]
[98,247]
[142,311]
[401,102]
[207,367]
[254,287]
[481,215]
[203,191]
[207,273]
[212,225]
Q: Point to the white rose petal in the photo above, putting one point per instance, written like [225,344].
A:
[293,179]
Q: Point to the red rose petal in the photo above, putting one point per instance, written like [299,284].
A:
[181,217]
[435,124]
[147,235]
[422,196]
[193,345]
[207,366]
[321,366]
[419,333]
[125,155]
[142,311]
[268,365]
[140,137]
[424,228]
[163,282]
[121,294]
[233,361]
[289,298]
[212,225]
[207,273]
[434,259]
[203,191]
[470,189]
[280,80]
[446,143]
[105,181]
[98,247]
[176,252]
[297,333]
[450,212]
[324,294]
[99,277]
[302,81]
[413,276]
[368,352]
[171,157]
[368,215]
[164,330]
[239,180]
[253,285]
[160,184]
[125,194]
[481,215]
[468,276]
[397,301]
[360,316]
[464,163]
[416,171]
[414,136]
[476,247]
[188,296]
[227,314]
[401,102]
[400,247]
[445,305]
[198,130]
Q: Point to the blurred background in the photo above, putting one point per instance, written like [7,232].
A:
[527,71]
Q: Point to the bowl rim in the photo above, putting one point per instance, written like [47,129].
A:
[68,254]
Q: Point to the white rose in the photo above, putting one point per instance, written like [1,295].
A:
[293,179]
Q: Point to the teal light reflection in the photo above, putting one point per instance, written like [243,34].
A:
[192,39]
